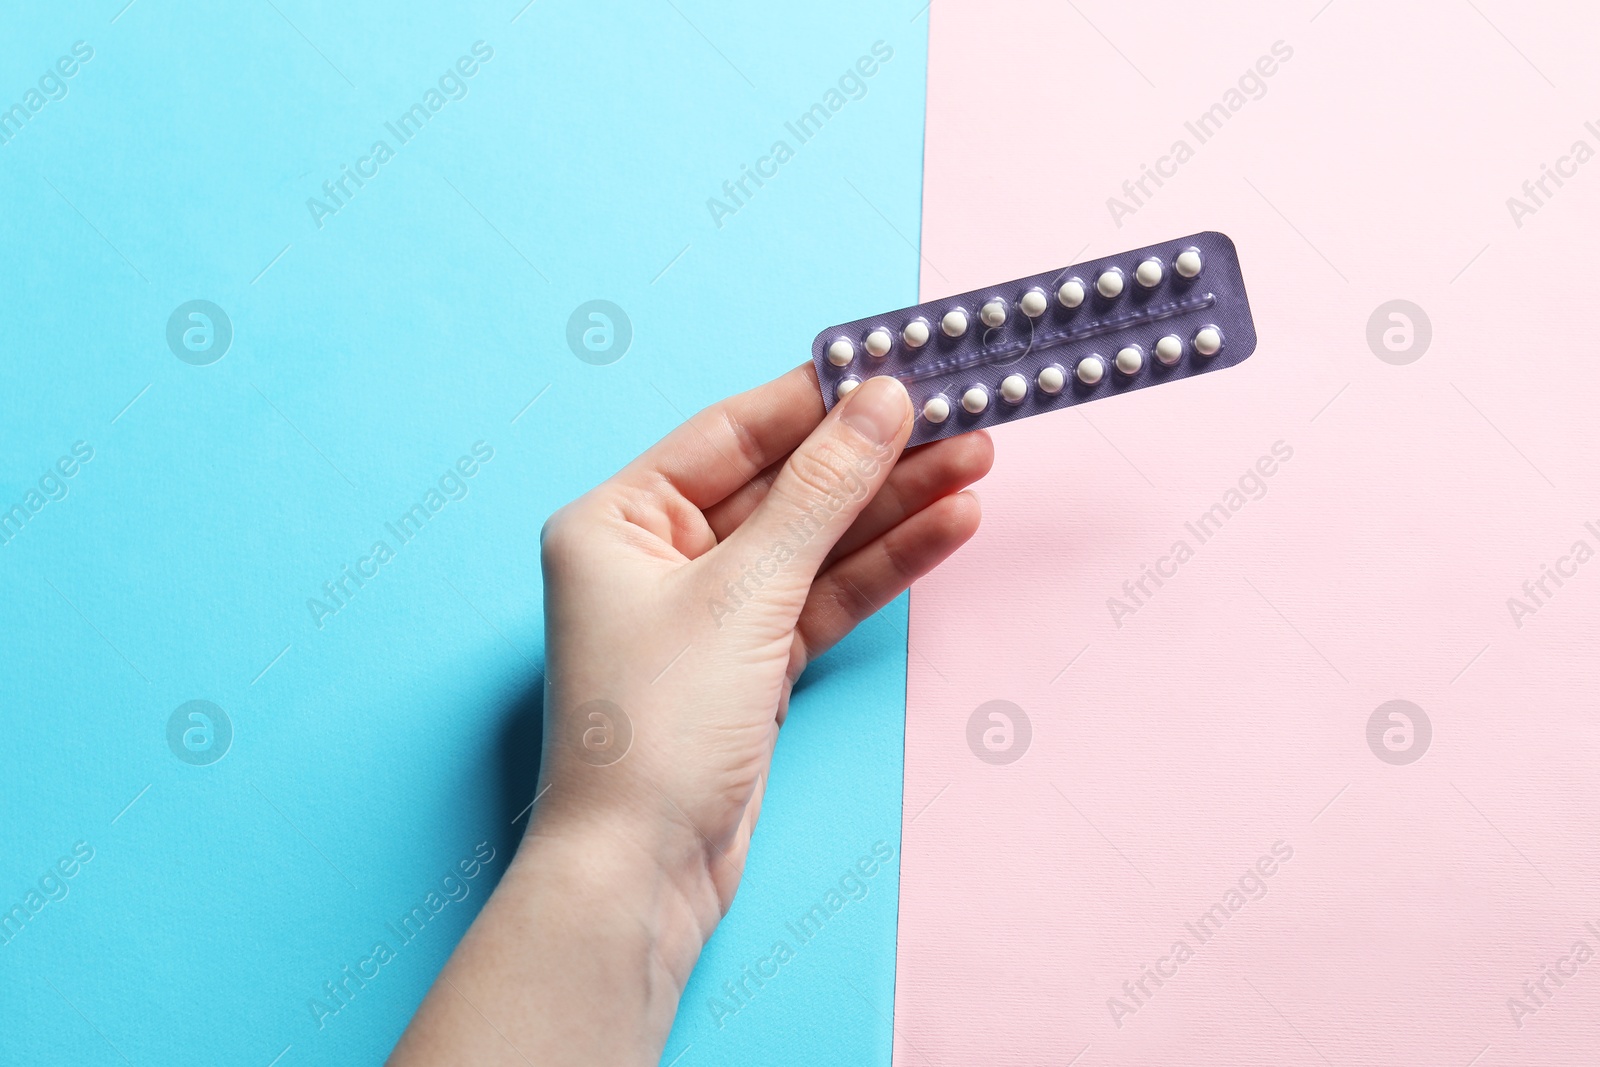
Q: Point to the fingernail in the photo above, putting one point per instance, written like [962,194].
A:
[878,409]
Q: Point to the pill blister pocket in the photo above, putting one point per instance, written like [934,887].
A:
[1051,341]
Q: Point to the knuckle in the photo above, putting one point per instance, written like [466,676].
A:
[555,527]
[561,534]
[851,600]
[749,448]
[825,472]
[894,554]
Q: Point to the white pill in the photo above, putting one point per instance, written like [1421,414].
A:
[1130,359]
[1052,379]
[841,352]
[1091,369]
[1033,303]
[878,342]
[1149,273]
[954,323]
[936,410]
[1208,342]
[993,313]
[975,399]
[1013,388]
[916,333]
[1071,293]
[1169,349]
[1109,284]
[1188,263]
[848,386]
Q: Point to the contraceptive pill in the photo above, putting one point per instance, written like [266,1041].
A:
[1087,332]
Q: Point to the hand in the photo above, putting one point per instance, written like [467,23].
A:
[683,599]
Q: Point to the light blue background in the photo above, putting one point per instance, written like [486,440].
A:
[375,752]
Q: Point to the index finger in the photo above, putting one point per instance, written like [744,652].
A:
[727,444]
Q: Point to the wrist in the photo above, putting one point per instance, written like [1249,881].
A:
[586,926]
[640,884]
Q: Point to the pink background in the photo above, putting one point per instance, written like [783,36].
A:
[1229,712]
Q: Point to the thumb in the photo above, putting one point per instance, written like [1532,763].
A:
[822,487]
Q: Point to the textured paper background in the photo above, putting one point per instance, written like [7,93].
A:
[368,355]
[1229,711]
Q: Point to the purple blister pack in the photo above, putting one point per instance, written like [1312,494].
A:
[1051,341]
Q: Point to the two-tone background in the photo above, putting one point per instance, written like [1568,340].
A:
[312,315]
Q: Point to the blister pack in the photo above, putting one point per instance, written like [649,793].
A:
[1051,341]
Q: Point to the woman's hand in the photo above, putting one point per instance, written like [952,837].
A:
[683,599]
